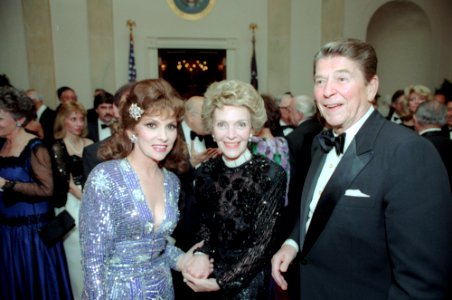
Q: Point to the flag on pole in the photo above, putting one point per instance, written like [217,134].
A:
[254,82]
[132,68]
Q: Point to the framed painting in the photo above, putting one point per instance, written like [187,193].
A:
[191,9]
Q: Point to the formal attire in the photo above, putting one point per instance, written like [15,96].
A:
[395,118]
[447,130]
[443,144]
[46,117]
[240,212]
[29,269]
[67,166]
[90,159]
[286,128]
[375,221]
[98,131]
[125,256]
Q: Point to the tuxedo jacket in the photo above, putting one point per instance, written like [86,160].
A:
[300,144]
[442,143]
[382,228]
[93,131]
[90,159]
[47,121]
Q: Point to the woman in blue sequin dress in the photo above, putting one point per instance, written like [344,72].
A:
[129,207]
[29,269]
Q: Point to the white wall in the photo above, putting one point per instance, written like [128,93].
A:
[13,54]
[71,49]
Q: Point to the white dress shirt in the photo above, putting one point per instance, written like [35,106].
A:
[103,132]
[331,162]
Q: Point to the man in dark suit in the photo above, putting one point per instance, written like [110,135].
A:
[428,119]
[90,156]
[375,214]
[99,129]
[45,116]
[300,144]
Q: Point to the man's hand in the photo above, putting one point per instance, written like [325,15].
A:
[280,263]
[199,157]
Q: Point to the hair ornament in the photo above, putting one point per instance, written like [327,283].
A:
[135,111]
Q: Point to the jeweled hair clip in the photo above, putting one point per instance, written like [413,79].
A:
[135,111]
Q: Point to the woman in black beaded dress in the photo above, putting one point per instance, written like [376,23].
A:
[69,131]
[239,197]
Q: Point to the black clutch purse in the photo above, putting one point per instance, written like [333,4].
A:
[57,228]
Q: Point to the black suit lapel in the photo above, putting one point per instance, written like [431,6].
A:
[357,156]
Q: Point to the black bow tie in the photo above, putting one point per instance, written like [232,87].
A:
[327,141]
[193,135]
[287,126]
[103,126]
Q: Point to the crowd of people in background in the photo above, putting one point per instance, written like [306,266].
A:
[189,197]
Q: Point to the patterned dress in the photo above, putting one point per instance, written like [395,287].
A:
[124,256]
[240,213]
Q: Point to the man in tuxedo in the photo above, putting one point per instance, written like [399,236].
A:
[200,145]
[45,116]
[447,128]
[428,119]
[286,103]
[375,213]
[90,157]
[300,144]
[396,109]
[99,129]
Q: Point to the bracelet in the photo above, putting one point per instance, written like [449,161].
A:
[9,185]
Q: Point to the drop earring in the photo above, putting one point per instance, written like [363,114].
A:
[214,139]
[18,124]
[133,138]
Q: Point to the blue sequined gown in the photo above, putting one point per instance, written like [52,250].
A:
[123,255]
[28,268]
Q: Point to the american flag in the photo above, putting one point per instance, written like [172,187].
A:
[254,81]
[132,68]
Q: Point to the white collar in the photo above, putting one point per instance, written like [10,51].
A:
[243,158]
[353,130]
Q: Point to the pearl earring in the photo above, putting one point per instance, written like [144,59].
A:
[133,138]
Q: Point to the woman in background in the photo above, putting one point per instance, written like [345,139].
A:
[69,132]
[29,269]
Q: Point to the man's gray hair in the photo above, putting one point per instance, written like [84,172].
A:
[306,105]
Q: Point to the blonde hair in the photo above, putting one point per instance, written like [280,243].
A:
[234,93]
[65,110]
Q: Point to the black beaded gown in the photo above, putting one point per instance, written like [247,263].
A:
[239,211]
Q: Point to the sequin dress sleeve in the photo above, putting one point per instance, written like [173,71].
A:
[240,209]
[124,256]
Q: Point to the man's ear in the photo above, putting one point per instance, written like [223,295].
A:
[372,88]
